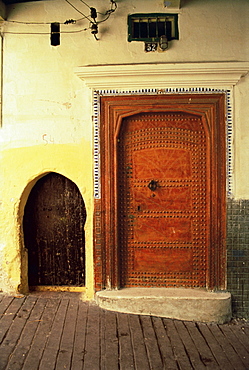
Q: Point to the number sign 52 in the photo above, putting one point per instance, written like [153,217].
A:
[150,46]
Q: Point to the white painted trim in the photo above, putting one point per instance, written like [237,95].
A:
[160,75]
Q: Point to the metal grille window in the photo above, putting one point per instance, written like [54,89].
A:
[150,27]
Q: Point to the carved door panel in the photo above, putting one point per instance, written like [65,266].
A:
[163,192]
[54,219]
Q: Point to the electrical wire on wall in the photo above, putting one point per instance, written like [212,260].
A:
[94,18]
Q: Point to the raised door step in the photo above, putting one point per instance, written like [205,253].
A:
[177,303]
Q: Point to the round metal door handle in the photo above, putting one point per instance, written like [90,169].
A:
[153,185]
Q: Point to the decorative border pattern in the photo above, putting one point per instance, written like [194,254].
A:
[176,90]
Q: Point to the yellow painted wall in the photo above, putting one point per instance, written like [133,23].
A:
[27,165]
[47,113]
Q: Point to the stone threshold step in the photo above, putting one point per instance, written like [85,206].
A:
[197,305]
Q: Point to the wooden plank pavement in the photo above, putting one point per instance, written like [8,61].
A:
[59,331]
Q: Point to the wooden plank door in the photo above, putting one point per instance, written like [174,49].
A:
[160,218]
[54,219]
[164,200]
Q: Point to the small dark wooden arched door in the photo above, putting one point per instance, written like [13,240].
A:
[54,219]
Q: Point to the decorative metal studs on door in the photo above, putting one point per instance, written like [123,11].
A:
[163,200]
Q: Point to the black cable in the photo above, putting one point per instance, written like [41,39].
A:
[108,12]
[85,4]
[43,23]
[44,33]
[21,22]
[69,21]
[113,2]
[78,10]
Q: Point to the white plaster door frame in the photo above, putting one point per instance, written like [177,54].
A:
[160,75]
[170,78]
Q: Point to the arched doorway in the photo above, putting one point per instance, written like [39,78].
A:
[160,220]
[53,225]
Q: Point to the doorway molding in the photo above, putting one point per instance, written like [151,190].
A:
[148,79]
[161,75]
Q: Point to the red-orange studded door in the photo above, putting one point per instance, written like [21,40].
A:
[163,200]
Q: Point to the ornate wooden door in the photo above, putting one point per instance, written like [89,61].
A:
[163,200]
[53,225]
[160,220]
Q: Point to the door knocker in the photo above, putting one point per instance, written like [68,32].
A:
[153,185]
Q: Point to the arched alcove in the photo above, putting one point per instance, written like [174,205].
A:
[53,227]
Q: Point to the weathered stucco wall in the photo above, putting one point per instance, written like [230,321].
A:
[46,111]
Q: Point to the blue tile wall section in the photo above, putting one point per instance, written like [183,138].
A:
[238,256]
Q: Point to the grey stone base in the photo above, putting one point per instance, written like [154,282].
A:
[176,303]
